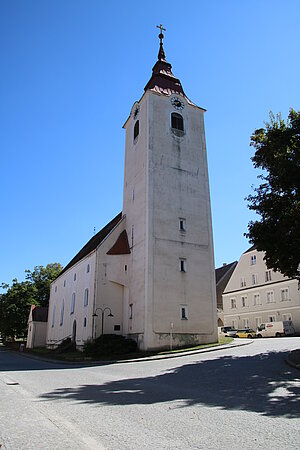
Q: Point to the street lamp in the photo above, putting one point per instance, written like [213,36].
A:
[102,316]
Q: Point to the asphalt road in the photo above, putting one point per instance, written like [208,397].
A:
[240,398]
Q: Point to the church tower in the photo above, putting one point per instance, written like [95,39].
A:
[171,284]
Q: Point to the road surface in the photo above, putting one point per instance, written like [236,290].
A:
[239,398]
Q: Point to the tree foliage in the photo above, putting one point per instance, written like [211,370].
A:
[277,198]
[16,302]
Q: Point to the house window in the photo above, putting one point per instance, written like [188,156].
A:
[72,303]
[270,297]
[74,278]
[244,302]
[177,121]
[117,327]
[284,294]
[183,312]
[257,321]
[84,322]
[182,265]
[87,268]
[246,323]
[136,130]
[64,283]
[254,278]
[53,315]
[287,316]
[62,309]
[55,288]
[182,224]
[253,260]
[272,319]
[86,297]
[233,303]
[256,300]
[243,282]
[130,311]
[268,275]
[234,324]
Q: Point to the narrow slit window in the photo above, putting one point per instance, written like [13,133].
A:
[177,121]
[183,312]
[182,224]
[182,265]
[136,130]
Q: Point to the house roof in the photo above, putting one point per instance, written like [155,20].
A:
[250,249]
[93,243]
[39,313]
[223,270]
[121,246]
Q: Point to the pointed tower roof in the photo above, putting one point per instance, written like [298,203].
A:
[162,79]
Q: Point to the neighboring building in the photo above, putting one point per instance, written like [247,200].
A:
[37,326]
[152,267]
[255,294]
[223,275]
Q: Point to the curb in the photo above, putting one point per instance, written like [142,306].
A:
[147,358]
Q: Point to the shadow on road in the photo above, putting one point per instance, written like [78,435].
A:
[261,383]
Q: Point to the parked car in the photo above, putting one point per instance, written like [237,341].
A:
[245,333]
[275,329]
[227,331]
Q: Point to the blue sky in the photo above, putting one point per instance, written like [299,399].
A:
[71,71]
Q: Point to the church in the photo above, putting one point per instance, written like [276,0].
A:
[149,273]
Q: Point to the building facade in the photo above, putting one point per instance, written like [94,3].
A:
[151,269]
[255,295]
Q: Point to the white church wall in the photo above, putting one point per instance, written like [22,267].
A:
[74,281]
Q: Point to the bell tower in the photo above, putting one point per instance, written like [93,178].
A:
[171,287]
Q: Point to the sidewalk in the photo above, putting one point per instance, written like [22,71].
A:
[175,354]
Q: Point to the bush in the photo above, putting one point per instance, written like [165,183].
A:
[67,345]
[109,344]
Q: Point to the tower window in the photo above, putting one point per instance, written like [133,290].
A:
[130,311]
[87,268]
[182,224]
[182,265]
[136,130]
[177,121]
[183,312]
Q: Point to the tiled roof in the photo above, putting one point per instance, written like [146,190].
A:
[250,249]
[40,313]
[222,271]
[93,243]
[121,246]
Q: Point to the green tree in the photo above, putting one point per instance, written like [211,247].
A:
[41,277]
[14,308]
[277,198]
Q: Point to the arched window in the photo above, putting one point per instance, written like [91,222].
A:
[62,309]
[74,276]
[86,297]
[177,121]
[53,315]
[88,268]
[136,129]
[72,303]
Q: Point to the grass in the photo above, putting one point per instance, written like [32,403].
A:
[77,356]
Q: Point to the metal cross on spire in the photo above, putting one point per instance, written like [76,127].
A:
[161,53]
[161,36]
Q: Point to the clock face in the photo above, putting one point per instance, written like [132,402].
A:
[136,112]
[177,103]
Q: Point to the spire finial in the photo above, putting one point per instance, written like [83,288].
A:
[161,53]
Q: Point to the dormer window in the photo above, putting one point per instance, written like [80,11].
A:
[136,130]
[177,121]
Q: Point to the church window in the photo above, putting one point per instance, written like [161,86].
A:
[64,283]
[53,315]
[136,130]
[182,224]
[62,309]
[86,297]
[132,195]
[74,277]
[88,268]
[183,312]
[132,234]
[182,265]
[177,121]
[55,288]
[84,322]
[72,303]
